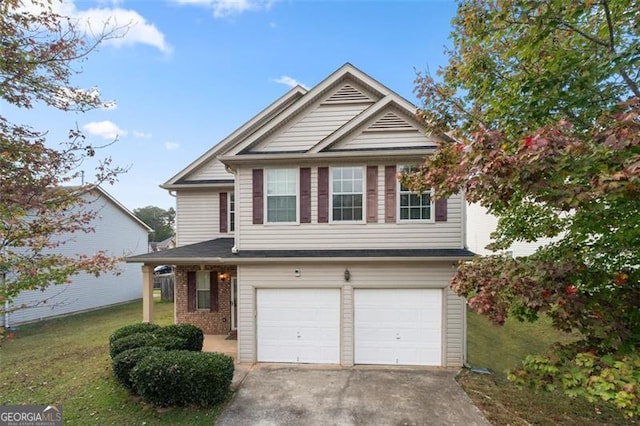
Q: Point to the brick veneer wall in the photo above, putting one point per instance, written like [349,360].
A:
[210,322]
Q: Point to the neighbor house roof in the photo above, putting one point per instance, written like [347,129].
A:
[102,193]
[220,251]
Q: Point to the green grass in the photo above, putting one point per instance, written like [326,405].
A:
[501,349]
[66,361]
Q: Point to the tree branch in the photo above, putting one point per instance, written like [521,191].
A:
[612,48]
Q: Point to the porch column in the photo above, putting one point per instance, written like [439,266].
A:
[147,293]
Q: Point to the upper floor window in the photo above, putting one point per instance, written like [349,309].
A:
[203,290]
[282,190]
[413,206]
[232,212]
[347,193]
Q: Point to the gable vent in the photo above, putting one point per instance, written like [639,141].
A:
[347,94]
[390,121]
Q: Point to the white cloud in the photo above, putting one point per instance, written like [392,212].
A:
[141,135]
[104,129]
[225,8]
[170,146]
[135,28]
[288,81]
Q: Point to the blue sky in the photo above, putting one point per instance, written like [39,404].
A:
[189,72]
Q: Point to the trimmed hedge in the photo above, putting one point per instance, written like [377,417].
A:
[135,340]
[192,334]
[124,362]
[140,327]
[183,378]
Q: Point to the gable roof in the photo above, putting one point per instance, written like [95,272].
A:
[348,86]
[237,136]
[345,74]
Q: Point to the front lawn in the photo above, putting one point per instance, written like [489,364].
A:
[66,361]
[501,349]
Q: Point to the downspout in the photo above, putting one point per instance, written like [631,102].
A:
[236,193]
[175,235]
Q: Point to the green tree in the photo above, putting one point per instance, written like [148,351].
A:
[160,220]
[542,104]
[38,208]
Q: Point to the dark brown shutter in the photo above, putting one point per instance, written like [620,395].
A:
[390,185]
[213,290]
[323,194]
[441,210]
[305,195]
[258,200]
[372,194]
[191,291]
[223,212]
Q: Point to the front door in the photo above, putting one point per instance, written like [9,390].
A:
[234,303]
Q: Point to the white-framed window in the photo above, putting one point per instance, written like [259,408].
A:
[231,211]
[347,194]
[203,290]
[281,195]
[413,207]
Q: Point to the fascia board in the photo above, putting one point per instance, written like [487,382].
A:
[325,155]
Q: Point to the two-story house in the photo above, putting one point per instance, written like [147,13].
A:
[295,231]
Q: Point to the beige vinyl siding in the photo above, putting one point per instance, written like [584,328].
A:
[342,235]
[363,275]
[212,170]
[311,128]
[197,216]
[386,139]
[455,330]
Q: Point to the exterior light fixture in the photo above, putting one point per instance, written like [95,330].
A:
[347,275]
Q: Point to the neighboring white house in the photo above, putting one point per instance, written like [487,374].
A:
[295,231]
[480,225]
[118,232]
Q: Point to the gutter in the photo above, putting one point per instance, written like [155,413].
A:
[248,260]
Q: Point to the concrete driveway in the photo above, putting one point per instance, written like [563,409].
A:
[299,395]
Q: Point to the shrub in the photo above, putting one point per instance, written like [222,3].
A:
[171,343]
[131,341]
[138,340]
[124,362]
[191,333]
[183,378]
[612,377]
[140,327]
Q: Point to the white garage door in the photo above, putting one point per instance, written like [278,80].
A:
[298,325]
[401,327]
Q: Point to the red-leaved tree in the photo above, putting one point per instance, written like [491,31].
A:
[38,207]
[542,103]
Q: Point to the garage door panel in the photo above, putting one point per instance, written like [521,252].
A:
[298,325]
[398,326]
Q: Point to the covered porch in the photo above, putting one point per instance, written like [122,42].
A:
[205,285]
